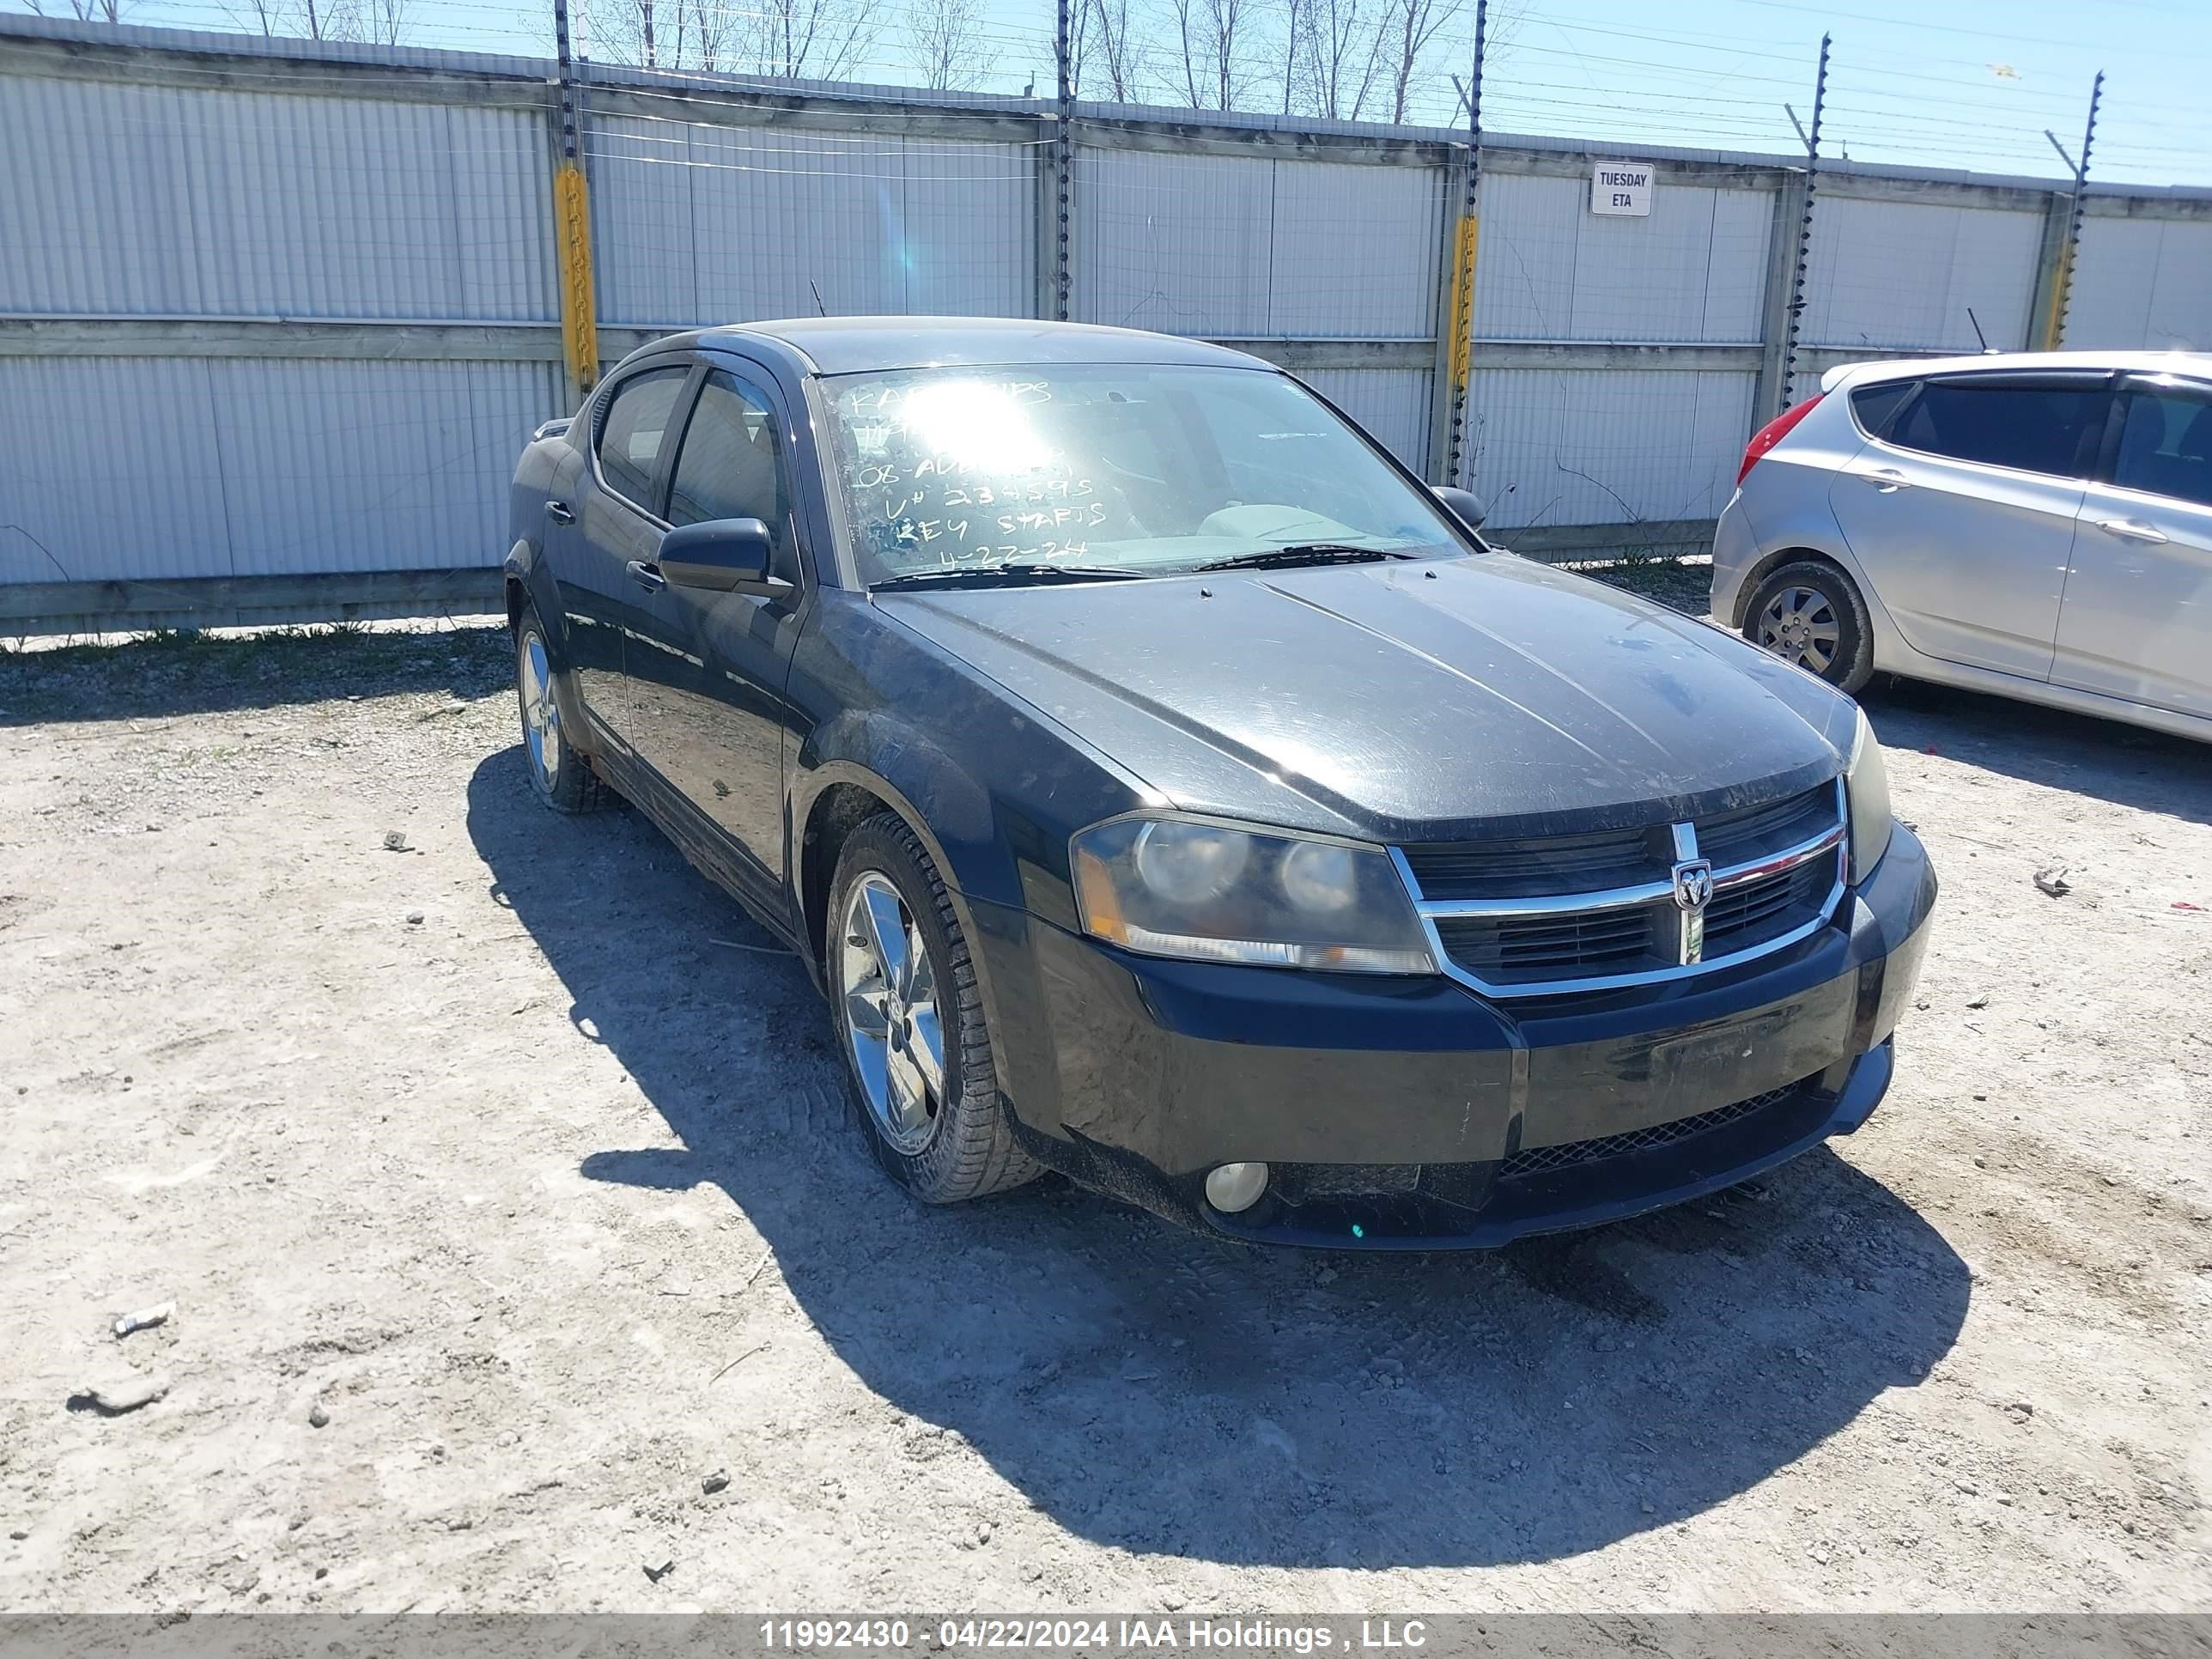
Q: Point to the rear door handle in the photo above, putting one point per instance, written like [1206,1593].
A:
[645,575]
[559,513]
[2134,530]
[1887,479]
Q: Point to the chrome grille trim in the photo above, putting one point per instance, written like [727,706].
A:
[1831,842]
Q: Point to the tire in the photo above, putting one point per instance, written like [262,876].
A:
[559,776]
[945,1140]
[1810,613]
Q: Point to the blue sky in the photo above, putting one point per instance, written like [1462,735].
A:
[1964,83]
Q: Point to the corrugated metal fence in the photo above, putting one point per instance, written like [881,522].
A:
[275,318]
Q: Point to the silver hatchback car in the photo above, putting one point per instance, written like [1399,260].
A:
[2038,526]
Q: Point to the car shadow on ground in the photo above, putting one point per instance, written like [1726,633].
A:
[171,673]
[2127,765]
[1157,1391]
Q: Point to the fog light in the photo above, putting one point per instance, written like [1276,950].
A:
[1235,1186]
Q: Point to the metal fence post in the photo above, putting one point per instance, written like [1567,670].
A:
[1448,378]
[1455,291]
[572,227]
[1063,149]
[1788,376]
[2052,288]
[1778,290]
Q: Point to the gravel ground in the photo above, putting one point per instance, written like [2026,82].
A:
[522,1257]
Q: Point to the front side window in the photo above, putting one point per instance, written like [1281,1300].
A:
[2166,444]
[2032,428]
[731,465]
[634,428]
[1122,469]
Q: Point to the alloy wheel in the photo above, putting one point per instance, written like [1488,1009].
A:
[1799,625]
[890,1001]
[541,715]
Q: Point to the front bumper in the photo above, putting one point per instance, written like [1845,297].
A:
[1413,1114]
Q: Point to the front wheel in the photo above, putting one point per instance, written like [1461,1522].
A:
[918,1057]
[1811,614]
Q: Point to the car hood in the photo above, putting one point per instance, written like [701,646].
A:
[1402,701]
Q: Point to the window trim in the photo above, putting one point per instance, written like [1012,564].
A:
[2018,379]
[686,393]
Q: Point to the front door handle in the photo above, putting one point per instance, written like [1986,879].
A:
[2134,530]
[1887,479]
[645,575]
[559,513]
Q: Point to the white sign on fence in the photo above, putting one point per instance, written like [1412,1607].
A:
[1622,187]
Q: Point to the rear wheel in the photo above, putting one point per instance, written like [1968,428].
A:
[918,1058]
[1811,614]
[563,778]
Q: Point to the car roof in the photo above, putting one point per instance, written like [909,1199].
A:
[850,345]
[2196,364]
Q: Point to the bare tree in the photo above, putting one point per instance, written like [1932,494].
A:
[1404,32]
[812,40]
[1209,45]
[1295,15]
[944,41]
[1343,57]
[1114,40]
[85,11]
[710,34]
[386,21]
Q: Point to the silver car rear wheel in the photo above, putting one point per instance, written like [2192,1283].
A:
[1810,613]
[1799,625]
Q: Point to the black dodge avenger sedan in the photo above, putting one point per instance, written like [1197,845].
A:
[1166,788]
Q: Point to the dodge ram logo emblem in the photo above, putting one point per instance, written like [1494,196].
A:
[1693,884]
[1693,890]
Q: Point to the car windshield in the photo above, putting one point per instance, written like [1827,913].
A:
[1001,475]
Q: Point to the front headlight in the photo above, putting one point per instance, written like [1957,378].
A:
[1866,785]
[1179,887]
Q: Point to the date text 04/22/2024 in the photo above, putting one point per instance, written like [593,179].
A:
[1110,1634]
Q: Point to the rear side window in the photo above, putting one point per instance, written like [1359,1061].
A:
[2032,428]
[634,428]
[2165,445]
[1875,404]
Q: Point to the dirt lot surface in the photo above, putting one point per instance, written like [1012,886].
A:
[519,1244]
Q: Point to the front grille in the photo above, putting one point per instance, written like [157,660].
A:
[1534,865]
[1538,1160]
[1581,944]
[1761,832]
[1613,918]
[1750,913]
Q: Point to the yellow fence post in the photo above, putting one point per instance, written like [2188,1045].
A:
[572,229]
[572,221]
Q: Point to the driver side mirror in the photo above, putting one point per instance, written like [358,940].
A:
[722,556]
[1465,506]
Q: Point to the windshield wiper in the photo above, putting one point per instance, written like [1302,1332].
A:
[1305,553]
[1005,576]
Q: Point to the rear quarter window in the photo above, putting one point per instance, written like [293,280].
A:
[1874,405]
